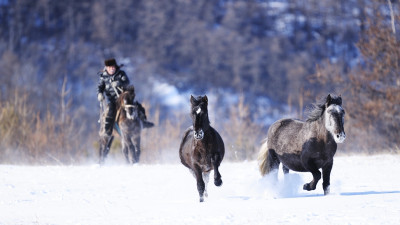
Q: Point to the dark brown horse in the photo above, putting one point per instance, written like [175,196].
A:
[202,148]
[129,125]
[306,146]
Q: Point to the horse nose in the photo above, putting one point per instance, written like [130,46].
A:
[341,136]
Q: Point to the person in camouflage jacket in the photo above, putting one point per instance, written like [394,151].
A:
[112,82]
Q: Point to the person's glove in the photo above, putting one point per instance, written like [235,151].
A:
[115,84]
[100,97]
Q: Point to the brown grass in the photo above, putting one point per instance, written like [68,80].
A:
[26,137]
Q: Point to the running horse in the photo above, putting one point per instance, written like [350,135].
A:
[306,146]
[202,148]
[129,125]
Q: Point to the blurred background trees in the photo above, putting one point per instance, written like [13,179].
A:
[268,58]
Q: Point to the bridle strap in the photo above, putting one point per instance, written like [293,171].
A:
[128,106]
[117,116]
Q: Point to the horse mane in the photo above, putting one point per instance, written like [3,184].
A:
[317,109]
[130,91]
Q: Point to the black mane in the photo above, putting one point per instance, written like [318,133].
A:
[317,109]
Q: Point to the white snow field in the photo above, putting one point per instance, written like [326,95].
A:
[364,190]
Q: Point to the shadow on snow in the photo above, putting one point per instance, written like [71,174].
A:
[369,193]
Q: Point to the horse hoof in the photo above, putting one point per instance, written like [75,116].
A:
[307,187]
[201,199]
[101,162]
[218,182]
[327,190]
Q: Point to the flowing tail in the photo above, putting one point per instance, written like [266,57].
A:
[263,159]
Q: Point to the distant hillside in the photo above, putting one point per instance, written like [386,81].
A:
[266,48]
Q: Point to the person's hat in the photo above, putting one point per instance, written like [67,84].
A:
[110,62]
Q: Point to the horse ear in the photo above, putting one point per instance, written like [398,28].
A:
[340,100]
[205,99]
[328,100]
[192,100]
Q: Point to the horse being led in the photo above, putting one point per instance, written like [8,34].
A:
[306,146]
[202,148]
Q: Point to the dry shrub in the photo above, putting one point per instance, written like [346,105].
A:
[370,91]
[240,134]
[375,87]
[15,128]
[160,144]
[28,138]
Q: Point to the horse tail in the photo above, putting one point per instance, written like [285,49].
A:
[263,159]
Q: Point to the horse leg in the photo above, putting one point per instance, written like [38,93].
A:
[125,150]
[200,183]
[285,169]
[133,152]
[273,161]
[326,177]
[105,145]
[216,161]
[101,151]
[130,150]
[125,145]
[310,166]
[206,178]
[136,150]
[272,165]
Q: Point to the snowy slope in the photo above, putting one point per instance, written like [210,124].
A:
[364,190]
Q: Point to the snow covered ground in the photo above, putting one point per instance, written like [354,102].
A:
[364,190]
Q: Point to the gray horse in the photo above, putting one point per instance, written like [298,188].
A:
[306,146]
[129,123]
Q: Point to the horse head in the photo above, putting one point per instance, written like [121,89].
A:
[199,114]
[127,103]
[334,118]
[131,109]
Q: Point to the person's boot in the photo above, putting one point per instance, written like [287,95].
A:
[146,124]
